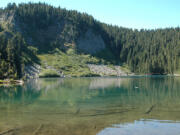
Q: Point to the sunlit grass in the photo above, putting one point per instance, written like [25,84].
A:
[70,63]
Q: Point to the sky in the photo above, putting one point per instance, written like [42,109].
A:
[136,14]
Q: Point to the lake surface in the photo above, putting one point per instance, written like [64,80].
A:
[92,106]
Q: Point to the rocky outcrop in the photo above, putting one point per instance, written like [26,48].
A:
[7,17]
[32,71]
[35,70]
[105,70]
[90,42]
[58,33]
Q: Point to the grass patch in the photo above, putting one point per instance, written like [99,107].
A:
[70,63]
[125,68]
[48,73]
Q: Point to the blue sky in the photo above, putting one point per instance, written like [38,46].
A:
[149,14]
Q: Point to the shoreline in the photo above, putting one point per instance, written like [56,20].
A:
[8,82]
[105,76]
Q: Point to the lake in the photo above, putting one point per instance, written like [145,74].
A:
[92,106]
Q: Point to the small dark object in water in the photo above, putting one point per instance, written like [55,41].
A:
[150,109]
[78,110]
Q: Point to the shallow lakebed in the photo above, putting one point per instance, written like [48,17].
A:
[92,106]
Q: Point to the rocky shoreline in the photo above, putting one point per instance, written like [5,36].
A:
[33,72]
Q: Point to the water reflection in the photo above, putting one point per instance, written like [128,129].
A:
[144,127]
[81,106]
[101,83]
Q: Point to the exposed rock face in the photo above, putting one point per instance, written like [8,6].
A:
[104,70]
[60,32]
[32,71]
[91,43]
[8,22]
[7,17]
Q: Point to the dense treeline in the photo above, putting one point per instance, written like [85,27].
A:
[46,28]
[147,51]
[11,63]
[14,54]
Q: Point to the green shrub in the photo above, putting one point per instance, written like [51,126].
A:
[48,73]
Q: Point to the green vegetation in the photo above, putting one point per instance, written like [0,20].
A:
[125,68]
[40,29]
[48,73]
[147,51]
[11,82]
[14,54]
[2,81]
[70,63]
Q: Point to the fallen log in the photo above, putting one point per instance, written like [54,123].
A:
[78,111]
[8,131]
[150,109]
[106,113]
[38,129]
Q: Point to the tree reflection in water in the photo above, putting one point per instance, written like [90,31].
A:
[87,105]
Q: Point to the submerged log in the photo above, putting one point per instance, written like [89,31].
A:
[150,109]
[105,113]
[78,111]
[8,131]
[38,129]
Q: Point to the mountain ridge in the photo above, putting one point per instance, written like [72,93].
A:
[43,29]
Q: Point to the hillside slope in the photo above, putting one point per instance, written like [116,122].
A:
[32,32]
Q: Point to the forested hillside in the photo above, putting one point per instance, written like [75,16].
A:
[28,30]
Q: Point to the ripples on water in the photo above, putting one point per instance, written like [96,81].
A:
[90,106]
